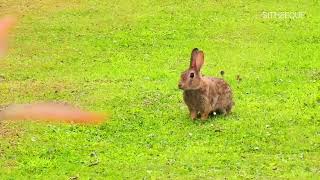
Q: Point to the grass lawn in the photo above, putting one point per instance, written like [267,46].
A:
[125,58]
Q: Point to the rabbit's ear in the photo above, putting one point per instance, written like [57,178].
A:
[193,58]
[199,60]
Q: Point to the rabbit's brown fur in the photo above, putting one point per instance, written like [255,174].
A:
[204,95]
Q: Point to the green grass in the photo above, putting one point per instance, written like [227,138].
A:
[125,57]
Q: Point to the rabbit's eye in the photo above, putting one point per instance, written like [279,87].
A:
[191,75]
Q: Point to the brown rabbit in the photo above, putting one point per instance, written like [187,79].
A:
[204,95]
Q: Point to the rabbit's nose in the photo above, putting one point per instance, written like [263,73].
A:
[180,86]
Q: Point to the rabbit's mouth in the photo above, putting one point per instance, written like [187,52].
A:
[186,88]
[180,86]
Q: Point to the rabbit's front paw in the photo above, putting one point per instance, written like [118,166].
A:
[193,115]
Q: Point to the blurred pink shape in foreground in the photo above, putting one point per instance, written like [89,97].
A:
[6,25]
[51,112]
